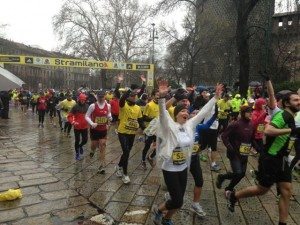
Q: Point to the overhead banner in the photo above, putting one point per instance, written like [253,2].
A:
[80,63]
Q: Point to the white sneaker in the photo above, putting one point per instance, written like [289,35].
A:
[126,179]
[197,208]
[119,171]
[167,196]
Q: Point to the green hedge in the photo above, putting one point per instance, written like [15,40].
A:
[293,86]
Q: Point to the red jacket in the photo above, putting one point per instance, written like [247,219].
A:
[42,103]
[115,108]
[77,116]
[258,118]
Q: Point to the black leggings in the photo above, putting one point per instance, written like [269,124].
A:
[126,141]
[41,116]
[176,185]
[68,127]
[239,167]
[84,138]
[33,107]
[148,142]
[196,171]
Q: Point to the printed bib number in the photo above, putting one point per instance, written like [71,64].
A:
[196,149]
[291,144]
[101,120]
[132,124]
[260,128]
[245,149]
[178,157]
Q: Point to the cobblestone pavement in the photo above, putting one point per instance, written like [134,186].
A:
[59,190]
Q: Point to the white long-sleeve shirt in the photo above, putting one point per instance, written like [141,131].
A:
[91,109]
[171,134]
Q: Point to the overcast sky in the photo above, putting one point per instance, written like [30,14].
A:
[30,21]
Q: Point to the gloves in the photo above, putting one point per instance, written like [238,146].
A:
[94,125]
[264,75]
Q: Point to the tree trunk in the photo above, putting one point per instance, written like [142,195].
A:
[191,75]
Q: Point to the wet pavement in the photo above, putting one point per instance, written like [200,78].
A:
[57,189]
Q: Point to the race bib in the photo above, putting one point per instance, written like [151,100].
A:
[178,157]
[101,120]
[260,128]
[291,144]
[245,149]
[132,124]
[196,149]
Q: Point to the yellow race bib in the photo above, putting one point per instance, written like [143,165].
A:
[132,124]
[260,128]
[178,157]
[245,149]
[196,149]
[101,120]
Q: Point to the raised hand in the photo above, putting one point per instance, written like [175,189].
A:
[219,90]
[143,78]
[163,87]
[120,78]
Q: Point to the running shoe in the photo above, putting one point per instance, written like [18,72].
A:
[157,216]
[125,179]
[203,158]
[144,165]
[227,194]
[101,170]
[119,171]
[77,157]
[197,208]
[215,168]
[231,201]
[92,153]
[167,196]
[219,181]
[81,150]
[166,222]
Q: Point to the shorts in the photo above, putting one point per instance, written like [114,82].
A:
[273,170]
[209,139]
[97,135]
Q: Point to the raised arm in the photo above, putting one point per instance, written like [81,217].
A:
[143,78]
[270,90]
[163,91]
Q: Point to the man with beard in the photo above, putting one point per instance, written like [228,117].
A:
[273,164]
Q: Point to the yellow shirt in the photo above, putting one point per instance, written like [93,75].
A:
[171,112]
[66,106]
[222,107]
[151,110]
[34,98]
[128,117]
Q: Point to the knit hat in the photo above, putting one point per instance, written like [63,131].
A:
[245,109]
[178,108]
[82,97]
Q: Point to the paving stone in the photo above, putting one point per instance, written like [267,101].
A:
[53,186]
[116,209]
[136,214]
[100,198]
[9,179]
[59,194]
[12,214]
[149,190]
[30,190]
[24,201]
[30,171]
[123,196]
[183,217]
[228,218]
[6,186]
[252,217]
[5,174]
[38,181]
[250,204]
[45,207]
[36,175]
[139,200]
[37,220]
[111,185]
[87,189]
[79,212]
[207,220]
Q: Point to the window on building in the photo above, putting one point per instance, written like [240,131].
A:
[280,23]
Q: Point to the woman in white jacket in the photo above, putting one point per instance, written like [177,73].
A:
[175,144]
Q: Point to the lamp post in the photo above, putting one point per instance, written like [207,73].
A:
[153,36]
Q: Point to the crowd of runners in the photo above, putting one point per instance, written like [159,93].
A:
[181,128]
